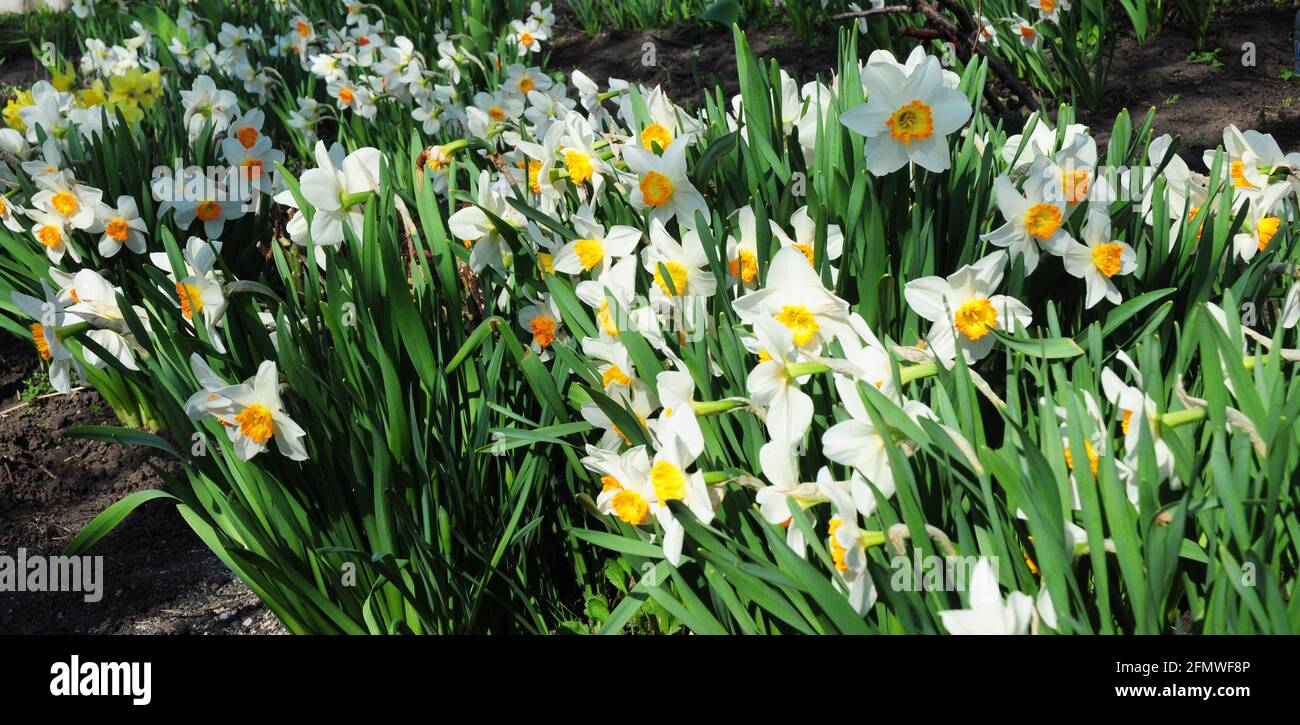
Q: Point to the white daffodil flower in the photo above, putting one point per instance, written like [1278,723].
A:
[742,249]
[618,283]
[123,226]
[1034,224]
[987,32]
[859,443]
[49,318]
[1252,158]
[613,364]
[672,482]
[805,236]
[1133,406]
[780,467]
[794,296]
[1070,174]
[1050,10]
[49,230]
[965,310]
[598,249]
[204,103]
[848,549]
[907,117]
[74,204]
[680,269]
[988,612]
[1025,31]
[677,421]
[662,184]
[332,188]
[1099,259]
[1040,141]
[251,412]
[542,319]
[1263,221]
[626,491]
[255,163]
[636,400]
[774,384]
[479,231]
[97,300]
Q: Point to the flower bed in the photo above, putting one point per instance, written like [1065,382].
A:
[445,343]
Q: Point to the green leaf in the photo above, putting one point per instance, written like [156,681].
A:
[103,524]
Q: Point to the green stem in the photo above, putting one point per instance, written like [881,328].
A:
[873,538]
[715,407]
[916,372]
[800,369]
[356,197]
[1182,417]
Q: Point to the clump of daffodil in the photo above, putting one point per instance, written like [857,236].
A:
[133,91]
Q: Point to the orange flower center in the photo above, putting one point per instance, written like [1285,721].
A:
[1267,229]
[255,422]
[656,189]
[208,210]
[631,507]
[42,345]
[1042,220]
[745,265]
[534,169]
[1075,185]
[578,166]
[807,250]
[1092,458]
[1106,258]
[975,318]
[543,328]
[51,236]
[190,298]
[614,375]
[676,274]
[838,553]
[653,135]
[64,203]
[1238,172]
[346,95]
[247,136]
[117,229]
[669,482]
[913,121]
[801,323]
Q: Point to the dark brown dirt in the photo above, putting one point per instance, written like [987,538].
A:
[158,578]
[19,70]
[687,59]
[1195,100]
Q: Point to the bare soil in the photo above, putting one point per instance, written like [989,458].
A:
[1196,100]
[686,59]
[158,576]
